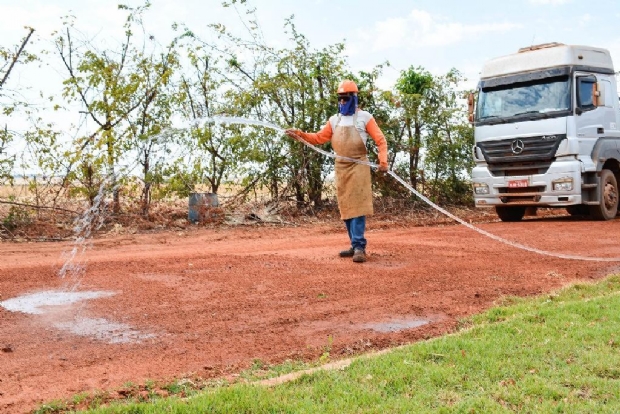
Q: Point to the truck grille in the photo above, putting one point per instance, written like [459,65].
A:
[521,150]
[519,169]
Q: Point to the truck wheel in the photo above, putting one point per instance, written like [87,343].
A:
[510,213]
[608,194]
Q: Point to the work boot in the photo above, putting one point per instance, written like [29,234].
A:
[347,253]
[359,256]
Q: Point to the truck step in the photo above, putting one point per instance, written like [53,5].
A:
[591,203]
[586,186]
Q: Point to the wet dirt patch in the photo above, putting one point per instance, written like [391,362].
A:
[395,325]
[58,305]
[103,330]
[40,302]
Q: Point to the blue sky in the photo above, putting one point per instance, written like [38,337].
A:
[437,35]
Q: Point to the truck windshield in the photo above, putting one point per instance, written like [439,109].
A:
[539,98]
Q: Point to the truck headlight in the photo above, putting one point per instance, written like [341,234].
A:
[565,184]
[481,188]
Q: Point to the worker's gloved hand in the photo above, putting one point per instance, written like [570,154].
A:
[293,133]
[383,167]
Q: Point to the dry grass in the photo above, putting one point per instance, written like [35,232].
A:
[17,191]
[21,219]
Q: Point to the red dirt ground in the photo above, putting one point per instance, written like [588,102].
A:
[217,299]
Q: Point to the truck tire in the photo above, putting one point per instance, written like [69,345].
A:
[608,195]
[510,213]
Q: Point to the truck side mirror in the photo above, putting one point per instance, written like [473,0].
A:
[470,107]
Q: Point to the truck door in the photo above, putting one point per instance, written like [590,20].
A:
[592,121]
[609,99]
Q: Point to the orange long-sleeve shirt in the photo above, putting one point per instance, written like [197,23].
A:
[365,124]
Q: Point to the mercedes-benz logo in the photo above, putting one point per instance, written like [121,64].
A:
[517,146]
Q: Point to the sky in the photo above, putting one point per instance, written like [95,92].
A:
[435,34]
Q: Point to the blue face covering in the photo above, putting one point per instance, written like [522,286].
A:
[349,107]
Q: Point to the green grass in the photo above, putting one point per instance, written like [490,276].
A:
[556,353]
[260,370]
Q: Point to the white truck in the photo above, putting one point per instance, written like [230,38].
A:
[546,132]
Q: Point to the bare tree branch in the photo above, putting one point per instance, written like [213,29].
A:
[68,62]
[39,207]
[16,57]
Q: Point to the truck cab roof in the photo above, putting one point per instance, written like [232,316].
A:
[549,55]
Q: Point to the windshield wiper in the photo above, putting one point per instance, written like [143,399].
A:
[492,119]
[545,115]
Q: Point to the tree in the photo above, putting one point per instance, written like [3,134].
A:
[301,92]
[148,123]
[218,149]
[449,140]
[111,86]
[291,87]
[9,59]
[412,88]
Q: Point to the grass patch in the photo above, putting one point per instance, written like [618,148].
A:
[260,370]
[555,353]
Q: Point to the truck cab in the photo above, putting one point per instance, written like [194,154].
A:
[546,132]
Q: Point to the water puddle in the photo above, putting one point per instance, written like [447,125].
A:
[104,330]
[39,303]
[55,303]
[396,325]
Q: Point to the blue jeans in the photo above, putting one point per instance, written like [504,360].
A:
[356,227]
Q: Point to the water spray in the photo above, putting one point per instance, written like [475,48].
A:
[244,121]
[91,220]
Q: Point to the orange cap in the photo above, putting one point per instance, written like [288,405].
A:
[347,86]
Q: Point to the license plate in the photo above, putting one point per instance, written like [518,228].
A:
[518,183]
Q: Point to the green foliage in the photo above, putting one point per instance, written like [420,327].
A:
[291,87]
[54,407]
[434,133]
[6,161]
[17,216]
[414,83]
[129,93]
[299,91]
[449,142]
[126,94]
[261,370]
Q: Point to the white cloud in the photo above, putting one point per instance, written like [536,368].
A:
[421,29]
[550,2]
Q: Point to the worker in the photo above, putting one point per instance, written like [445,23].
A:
[348,131]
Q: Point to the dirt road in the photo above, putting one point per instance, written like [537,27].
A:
[208,302]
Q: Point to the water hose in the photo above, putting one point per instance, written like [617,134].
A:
[236,120]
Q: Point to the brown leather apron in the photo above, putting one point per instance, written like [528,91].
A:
[353,185]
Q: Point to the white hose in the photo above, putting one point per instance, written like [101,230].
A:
[236,120]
